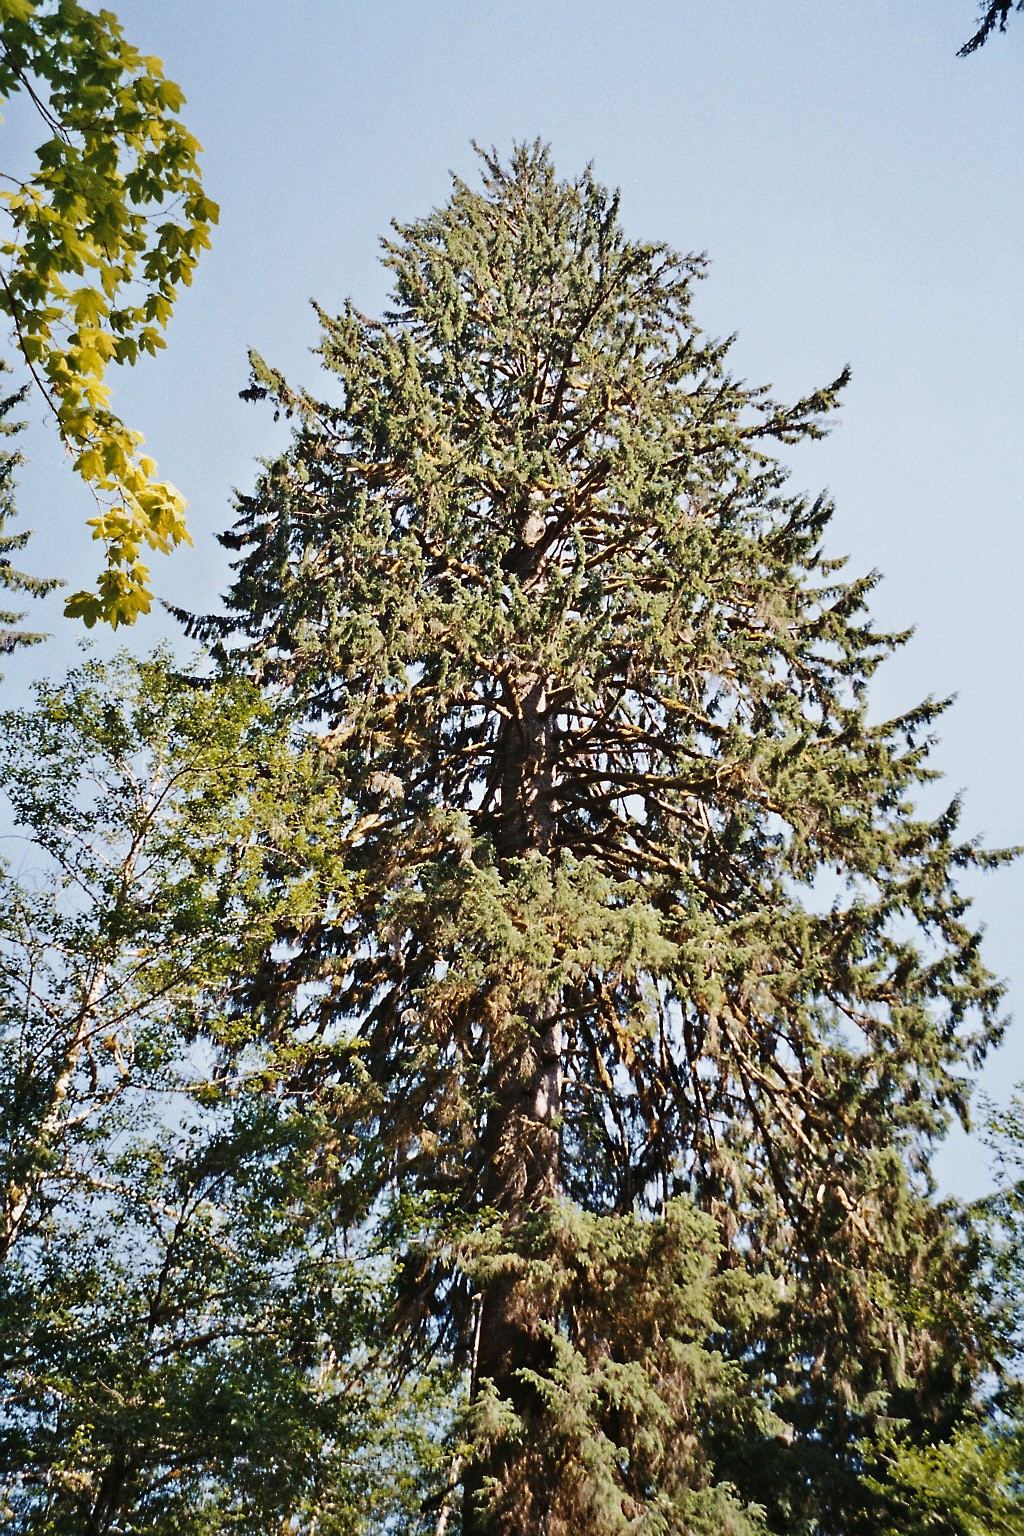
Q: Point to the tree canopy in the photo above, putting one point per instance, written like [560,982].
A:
[645,909]
[99,237]
[189,1342]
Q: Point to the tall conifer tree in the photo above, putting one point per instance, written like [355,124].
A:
[649,933]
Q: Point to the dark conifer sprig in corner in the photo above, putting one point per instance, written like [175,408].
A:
[993,18]
[598,697]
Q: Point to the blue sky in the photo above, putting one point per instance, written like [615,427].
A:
[856,187]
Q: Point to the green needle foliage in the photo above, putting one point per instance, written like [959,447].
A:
[633,1315]
[644,907]
[99,238]
[12,580]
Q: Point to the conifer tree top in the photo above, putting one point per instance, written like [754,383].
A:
[540,571]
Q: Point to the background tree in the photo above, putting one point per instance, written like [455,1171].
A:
[644,907]
[973,1484]
[88,272]
[189,1343]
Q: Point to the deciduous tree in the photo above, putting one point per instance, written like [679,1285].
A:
[973,1483]
[99,237]
[188,1343]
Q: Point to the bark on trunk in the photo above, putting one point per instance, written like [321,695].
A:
[523,1130]
[523,1177]
[23,1185]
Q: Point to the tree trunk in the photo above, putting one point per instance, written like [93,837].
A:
[523,1130]
[24,1182]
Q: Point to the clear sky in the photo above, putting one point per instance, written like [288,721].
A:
[856,186]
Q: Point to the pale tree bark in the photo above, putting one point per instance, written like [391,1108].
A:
[21,1188]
